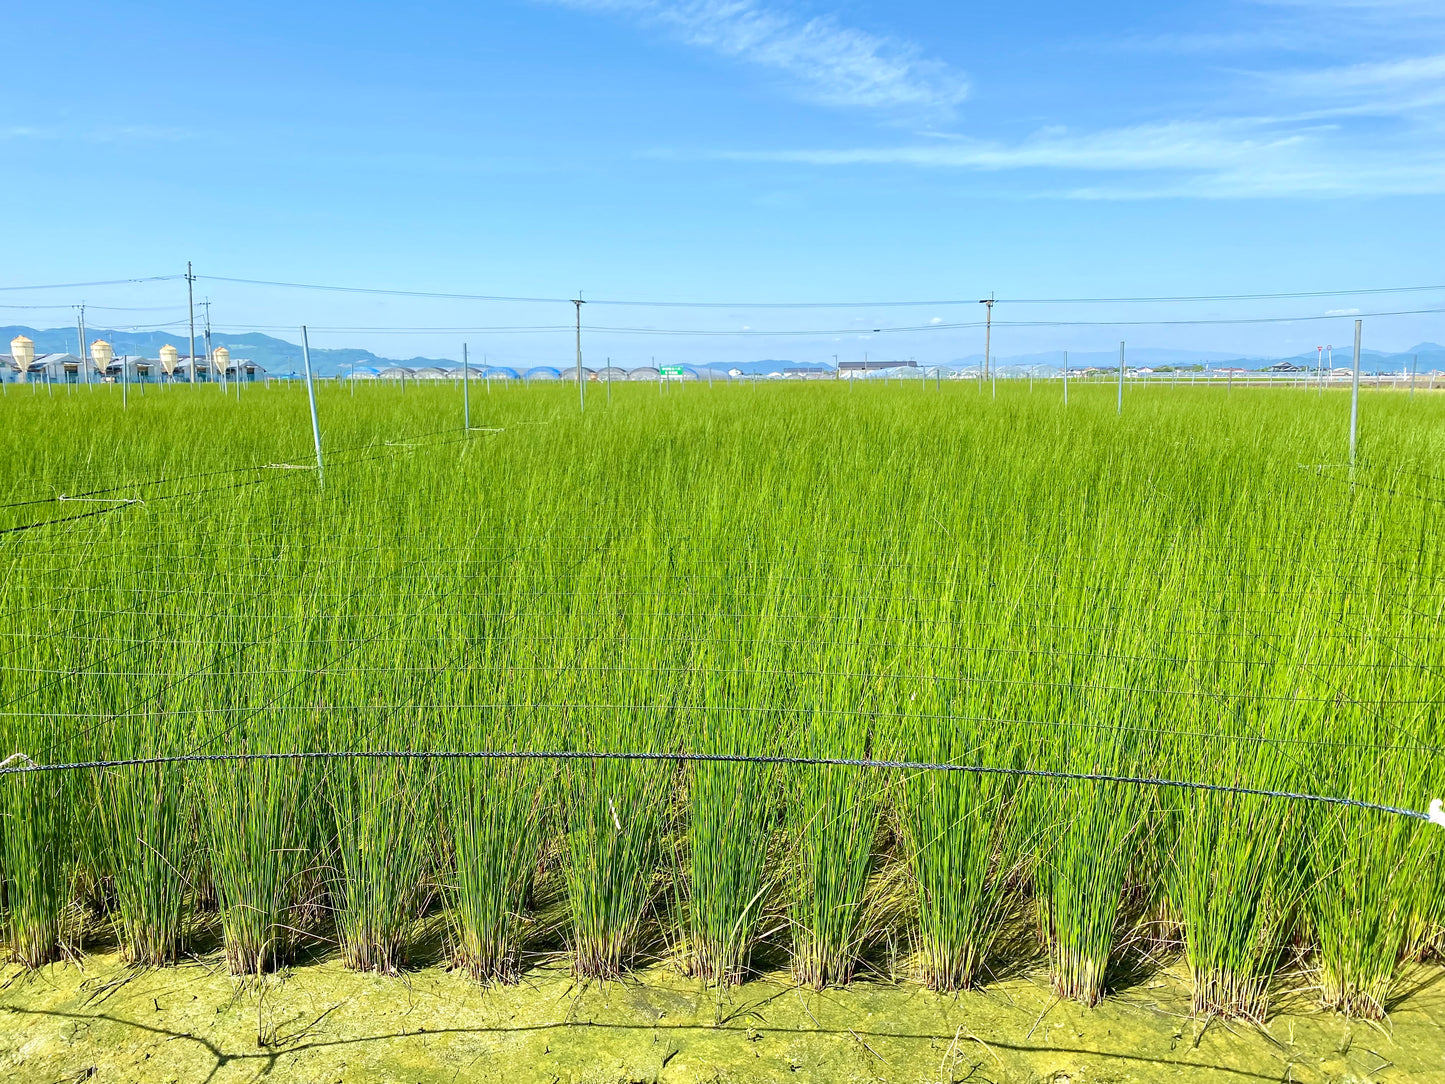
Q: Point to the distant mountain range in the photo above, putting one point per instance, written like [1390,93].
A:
[279,356]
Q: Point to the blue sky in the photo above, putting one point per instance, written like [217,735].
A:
[737,151]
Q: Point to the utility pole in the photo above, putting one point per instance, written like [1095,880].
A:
[84,354]
[581,388]
[191,304]
[466,395]
[210,355]
[987,338]
[1355,396]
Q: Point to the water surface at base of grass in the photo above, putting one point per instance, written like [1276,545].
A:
[105,1022]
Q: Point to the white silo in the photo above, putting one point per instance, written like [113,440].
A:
[170,358]
[220,362]
[101,354]
[23,351]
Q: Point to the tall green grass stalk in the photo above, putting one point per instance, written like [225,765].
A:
[39,863]
[731,814]
[833,816]
[956,834]
[143,813]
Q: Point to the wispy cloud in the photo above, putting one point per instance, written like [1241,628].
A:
[1203,159]
[113,133]
[826,61]
[1404,71]
[1375,126]
[1181,145]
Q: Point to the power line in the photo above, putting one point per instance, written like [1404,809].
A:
[653,303]
[387,292]
[106,308]
[103,282]
[658,303]
[866,330]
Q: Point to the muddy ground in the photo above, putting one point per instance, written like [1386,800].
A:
[98,1020]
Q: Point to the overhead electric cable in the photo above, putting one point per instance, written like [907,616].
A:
[102,282]
[865,330]
[656,303]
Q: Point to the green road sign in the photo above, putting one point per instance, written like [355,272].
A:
[671,370]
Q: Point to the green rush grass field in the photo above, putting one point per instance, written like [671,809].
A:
[1197,590]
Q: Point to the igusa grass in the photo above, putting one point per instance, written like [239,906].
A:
[1195,590]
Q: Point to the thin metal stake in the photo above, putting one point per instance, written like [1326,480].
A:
[466,399]
[1066,378]
[1120,409]
[1355,396]
[311,395]
[581,388]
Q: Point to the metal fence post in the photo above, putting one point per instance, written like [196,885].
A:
[466,391]
[1120,408]
[1355,396]
[311,395]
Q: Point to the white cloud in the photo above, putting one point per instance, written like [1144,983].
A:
[114,133]
[1175,145]
[1376,127]
[1197,159]
[1407,71]
[830,63]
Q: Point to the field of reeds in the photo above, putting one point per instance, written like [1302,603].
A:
[1201,590]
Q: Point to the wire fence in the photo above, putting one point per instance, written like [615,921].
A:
[20,763]
[389,621]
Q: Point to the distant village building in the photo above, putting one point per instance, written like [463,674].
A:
[849,367]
